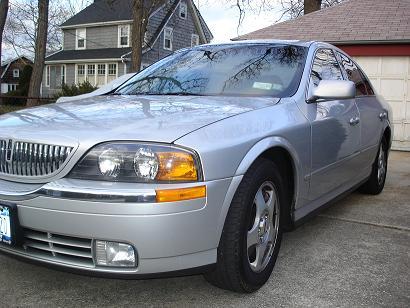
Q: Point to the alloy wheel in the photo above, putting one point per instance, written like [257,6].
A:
[381,165]
[263,227]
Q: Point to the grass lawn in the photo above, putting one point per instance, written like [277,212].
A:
[9,108]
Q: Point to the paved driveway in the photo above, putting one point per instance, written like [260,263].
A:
[356,253]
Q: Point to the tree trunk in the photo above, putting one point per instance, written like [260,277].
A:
[137,35]
[40,53]
[4,8]
[310,6]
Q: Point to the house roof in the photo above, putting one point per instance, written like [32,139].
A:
[6,64]
[88,54]
[351,22]
[102,11]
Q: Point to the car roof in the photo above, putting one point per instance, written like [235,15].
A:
[257,42]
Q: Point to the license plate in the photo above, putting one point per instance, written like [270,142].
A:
[6,218]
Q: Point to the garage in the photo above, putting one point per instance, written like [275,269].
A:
[390,75]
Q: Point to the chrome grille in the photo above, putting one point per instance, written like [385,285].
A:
[32,159]
[60,248]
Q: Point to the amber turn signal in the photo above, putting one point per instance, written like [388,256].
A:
[176,166]
[180,194]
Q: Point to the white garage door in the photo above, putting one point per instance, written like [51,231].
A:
[391,78]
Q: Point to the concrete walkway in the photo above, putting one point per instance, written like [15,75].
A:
[356,253]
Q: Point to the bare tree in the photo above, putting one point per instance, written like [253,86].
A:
[40,53]
[21,26]
[296,8]
[141,11]
[289,8]
[4,7]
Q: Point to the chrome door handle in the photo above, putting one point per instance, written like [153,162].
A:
[354,121]
[383,115]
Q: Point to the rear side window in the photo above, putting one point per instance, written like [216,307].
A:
[354,74]
[325,67]
[369,87]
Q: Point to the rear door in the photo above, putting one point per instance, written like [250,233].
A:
[335,131]
[371,111]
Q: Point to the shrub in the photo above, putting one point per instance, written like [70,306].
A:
[73,90]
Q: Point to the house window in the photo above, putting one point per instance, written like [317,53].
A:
[168,37]
[183,10]
[91,74]
[144,66]
[112,69]
[80,69]
[80,73]
[101,69]
[63,74]
[91,69]
[123,35]
[146,38]
[47,76]
[11,87]
[194,40]
[80,35]
[16,73]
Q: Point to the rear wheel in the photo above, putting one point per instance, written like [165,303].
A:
[252,232]
[375,183]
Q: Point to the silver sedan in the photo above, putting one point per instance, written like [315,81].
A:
[197,164]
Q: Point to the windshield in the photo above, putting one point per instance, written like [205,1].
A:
[257,70]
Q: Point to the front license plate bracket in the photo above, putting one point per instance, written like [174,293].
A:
[10,230]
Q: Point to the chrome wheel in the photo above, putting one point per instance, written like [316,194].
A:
[381,165]
[263,227]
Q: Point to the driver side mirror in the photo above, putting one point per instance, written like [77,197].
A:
[331,90]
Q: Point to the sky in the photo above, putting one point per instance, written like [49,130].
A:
[222,19]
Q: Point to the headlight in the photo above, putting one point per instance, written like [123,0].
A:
[138,162]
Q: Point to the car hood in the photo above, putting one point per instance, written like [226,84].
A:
[104,118]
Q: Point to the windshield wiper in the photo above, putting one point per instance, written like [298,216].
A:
[182,94]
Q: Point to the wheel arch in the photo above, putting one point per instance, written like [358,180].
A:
[276,149]
[388,135]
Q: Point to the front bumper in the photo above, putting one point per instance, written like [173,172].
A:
[167,237]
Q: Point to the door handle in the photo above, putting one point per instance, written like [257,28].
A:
[354,121]
[382,116]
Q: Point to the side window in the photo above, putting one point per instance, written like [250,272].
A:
[367,83]
[325,67]
[354,74]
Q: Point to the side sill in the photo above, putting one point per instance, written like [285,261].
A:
[300,221]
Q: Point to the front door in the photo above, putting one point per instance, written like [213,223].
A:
[335,131]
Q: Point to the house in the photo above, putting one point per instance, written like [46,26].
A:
[10,73]
[97,41]
[377,34]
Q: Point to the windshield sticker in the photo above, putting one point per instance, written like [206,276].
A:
[262,85]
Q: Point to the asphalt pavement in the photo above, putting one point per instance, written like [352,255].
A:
[355,253]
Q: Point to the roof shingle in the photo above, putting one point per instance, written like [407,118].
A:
[349,22]
[88,54]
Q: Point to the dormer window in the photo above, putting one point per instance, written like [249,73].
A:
[183,9]
[16,73]
[124,36]
[80,35]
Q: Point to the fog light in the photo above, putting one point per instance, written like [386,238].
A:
[114,254]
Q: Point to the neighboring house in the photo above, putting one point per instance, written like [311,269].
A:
[97,41]
[10,73]
[377,34]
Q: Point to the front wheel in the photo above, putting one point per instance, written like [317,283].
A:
[375,183]
[252,232]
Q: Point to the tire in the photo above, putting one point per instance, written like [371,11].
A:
[377,179]
[239,268]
